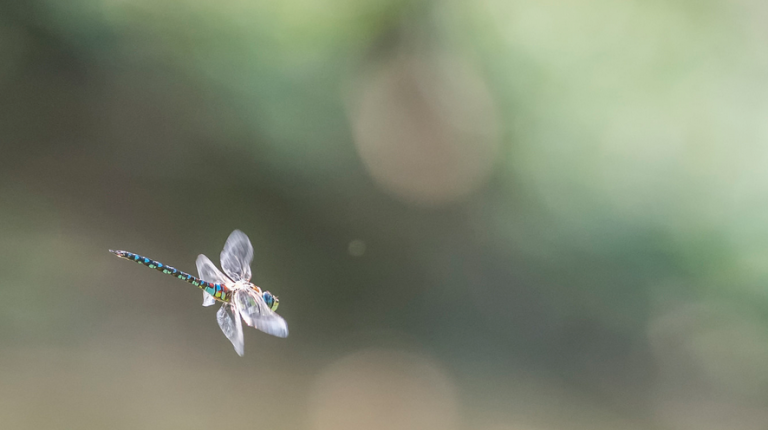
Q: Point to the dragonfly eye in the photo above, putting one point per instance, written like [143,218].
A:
[270,300]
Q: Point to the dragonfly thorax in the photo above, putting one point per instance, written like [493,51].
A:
[269,299]
[245,285]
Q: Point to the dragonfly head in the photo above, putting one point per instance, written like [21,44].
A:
[270,300]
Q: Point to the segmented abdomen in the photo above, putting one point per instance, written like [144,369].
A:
[218,291]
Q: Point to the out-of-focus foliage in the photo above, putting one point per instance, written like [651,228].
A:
[491,214]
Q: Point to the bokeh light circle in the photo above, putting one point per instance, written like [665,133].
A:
[426,130]
[383,390]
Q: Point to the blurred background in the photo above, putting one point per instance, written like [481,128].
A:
[486,215]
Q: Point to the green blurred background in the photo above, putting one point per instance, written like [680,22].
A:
[487,214]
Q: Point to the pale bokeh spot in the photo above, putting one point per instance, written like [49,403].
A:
[425,129]
[383,390]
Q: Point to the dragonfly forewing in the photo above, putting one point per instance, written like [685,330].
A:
[237,256]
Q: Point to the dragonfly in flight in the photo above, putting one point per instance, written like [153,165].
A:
[233,288]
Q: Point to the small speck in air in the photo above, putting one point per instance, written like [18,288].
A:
[356,248]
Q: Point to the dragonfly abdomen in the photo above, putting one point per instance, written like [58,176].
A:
[218,291]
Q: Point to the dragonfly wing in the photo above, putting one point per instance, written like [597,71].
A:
[274,324]
[208,272]
[208,299]
[230,324]
[237,256]
[248,306]
[257,314]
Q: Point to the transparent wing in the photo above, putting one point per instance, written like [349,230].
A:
[230,324]
[208,299]
[250,305]
[208,272]
[257,314]
[237,256]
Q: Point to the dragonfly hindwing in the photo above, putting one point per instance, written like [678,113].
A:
[230,324]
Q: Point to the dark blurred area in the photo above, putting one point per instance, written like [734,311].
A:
[491,215]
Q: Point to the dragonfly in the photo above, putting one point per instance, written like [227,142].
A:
[233,288]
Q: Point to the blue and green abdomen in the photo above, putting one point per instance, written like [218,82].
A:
[218,291]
